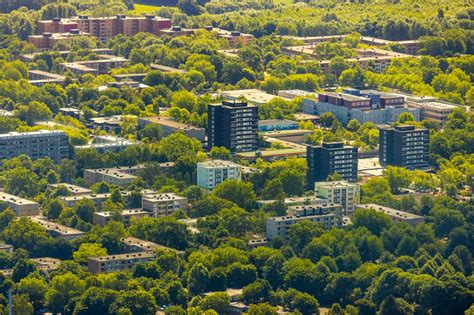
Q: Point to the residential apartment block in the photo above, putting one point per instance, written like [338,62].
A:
[113,176]
[395,215]
[36,144]
[233,125]
[331,158]
[21,206]
[103,218]
[169,126]
[133,244]
[40,78]
[47,41]
[379,108]
[329,215]
[74,190]
[163,204]
[58,230]
[120,262]
[214,172]
[105,28]
[339,192]
[405,146]
[234,38]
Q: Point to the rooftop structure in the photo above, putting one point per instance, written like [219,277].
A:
[7,248]
[291,94]
[169,125]
[21,206]
[58,230]
[253,96]
[297,201]
[176,30]
[395,215]
[46,264]
[99,66]
[134,244]
[311,40]
[72,112]
[64,54]
[73,189]
[108,175]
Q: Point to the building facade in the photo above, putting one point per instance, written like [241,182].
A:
[339,192]
[120,262]
[213,173]
[233,125]
[36,144]
[329,215]
[103,218]
[163,204]
[21,206]
[331,158]
[364,106]
[404,146]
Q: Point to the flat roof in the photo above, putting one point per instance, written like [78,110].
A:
[164,68]
[12,199]
[167,121]
[145,245]
[217,164]
[124,213]
[75,189]
[29,134]
[335,184]
[123,256]
[162,197]
[345,96]
[390,211]
[56,227]
[252,95]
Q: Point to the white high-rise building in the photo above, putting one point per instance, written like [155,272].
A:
[340,192]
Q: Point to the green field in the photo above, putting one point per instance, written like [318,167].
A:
[145,8]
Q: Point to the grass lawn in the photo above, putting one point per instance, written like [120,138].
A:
[145,8]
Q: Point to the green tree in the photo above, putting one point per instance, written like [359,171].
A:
[218,302]
[87,250]
[395,306]
[62,289]
[239,192]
